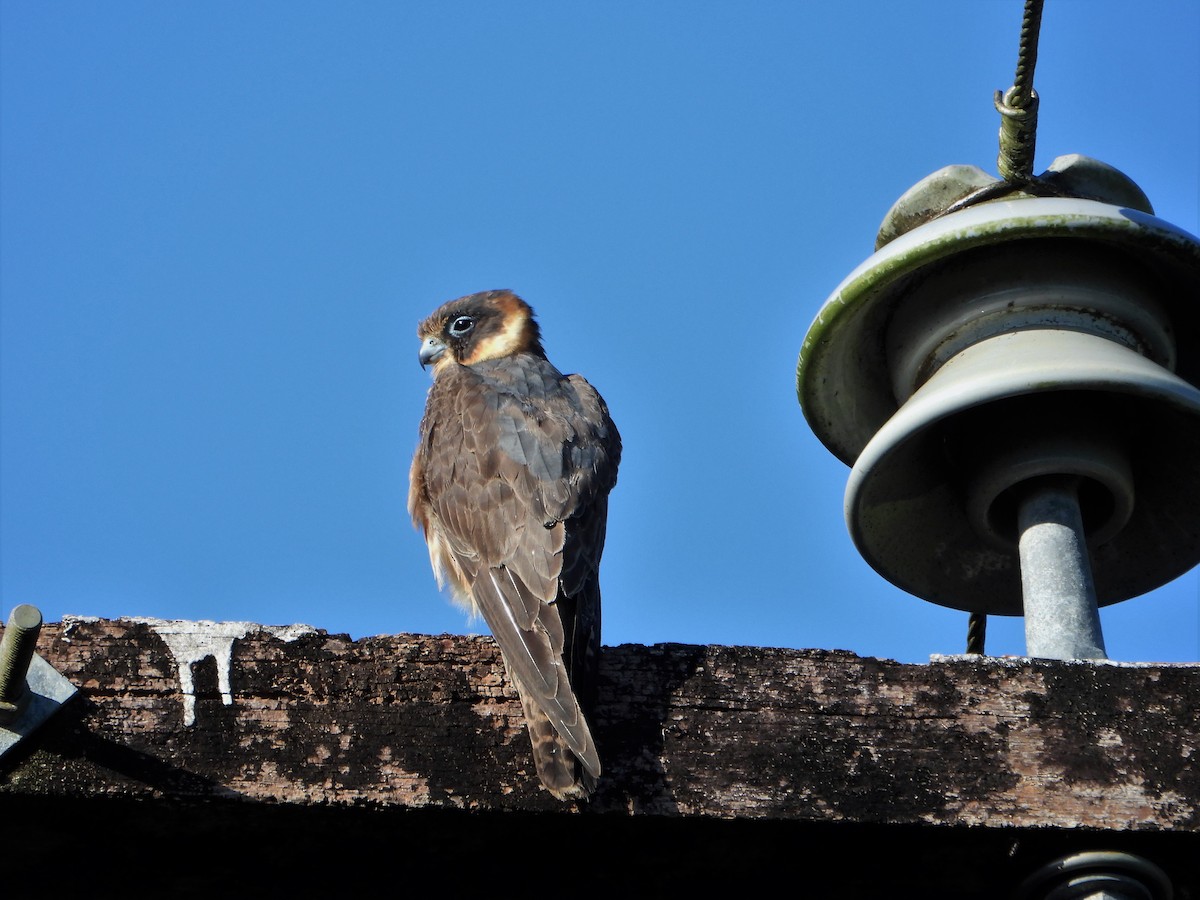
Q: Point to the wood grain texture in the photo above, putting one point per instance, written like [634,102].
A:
[419,721]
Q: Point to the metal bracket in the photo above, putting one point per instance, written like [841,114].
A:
[1097,875]
[31,690]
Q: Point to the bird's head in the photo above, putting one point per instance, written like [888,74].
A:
[478,327]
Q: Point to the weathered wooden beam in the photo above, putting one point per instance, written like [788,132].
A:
[299,716]
[1003,751]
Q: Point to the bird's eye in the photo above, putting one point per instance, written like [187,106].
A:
[461,325]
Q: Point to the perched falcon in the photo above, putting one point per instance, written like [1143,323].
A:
[510,484]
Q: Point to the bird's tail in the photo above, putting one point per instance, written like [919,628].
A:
[558,768]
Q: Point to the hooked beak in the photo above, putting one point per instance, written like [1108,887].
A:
[431,351]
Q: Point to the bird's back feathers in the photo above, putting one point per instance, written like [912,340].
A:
[510,484]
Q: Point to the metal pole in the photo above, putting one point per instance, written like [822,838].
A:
[1061,617]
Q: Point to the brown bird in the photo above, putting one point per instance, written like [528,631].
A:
[510,485]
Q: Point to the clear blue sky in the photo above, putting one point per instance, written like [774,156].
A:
[221,221]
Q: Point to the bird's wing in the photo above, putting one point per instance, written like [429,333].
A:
[506,476]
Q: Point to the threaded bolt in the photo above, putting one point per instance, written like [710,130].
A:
[16,652]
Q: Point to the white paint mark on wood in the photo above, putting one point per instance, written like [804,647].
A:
[192,642]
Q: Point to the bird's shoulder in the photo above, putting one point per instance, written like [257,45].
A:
[519,420]
[519,391]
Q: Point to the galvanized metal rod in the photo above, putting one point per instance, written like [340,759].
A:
[1061,617]
[16,651]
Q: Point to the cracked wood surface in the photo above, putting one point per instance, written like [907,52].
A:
[304,717]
